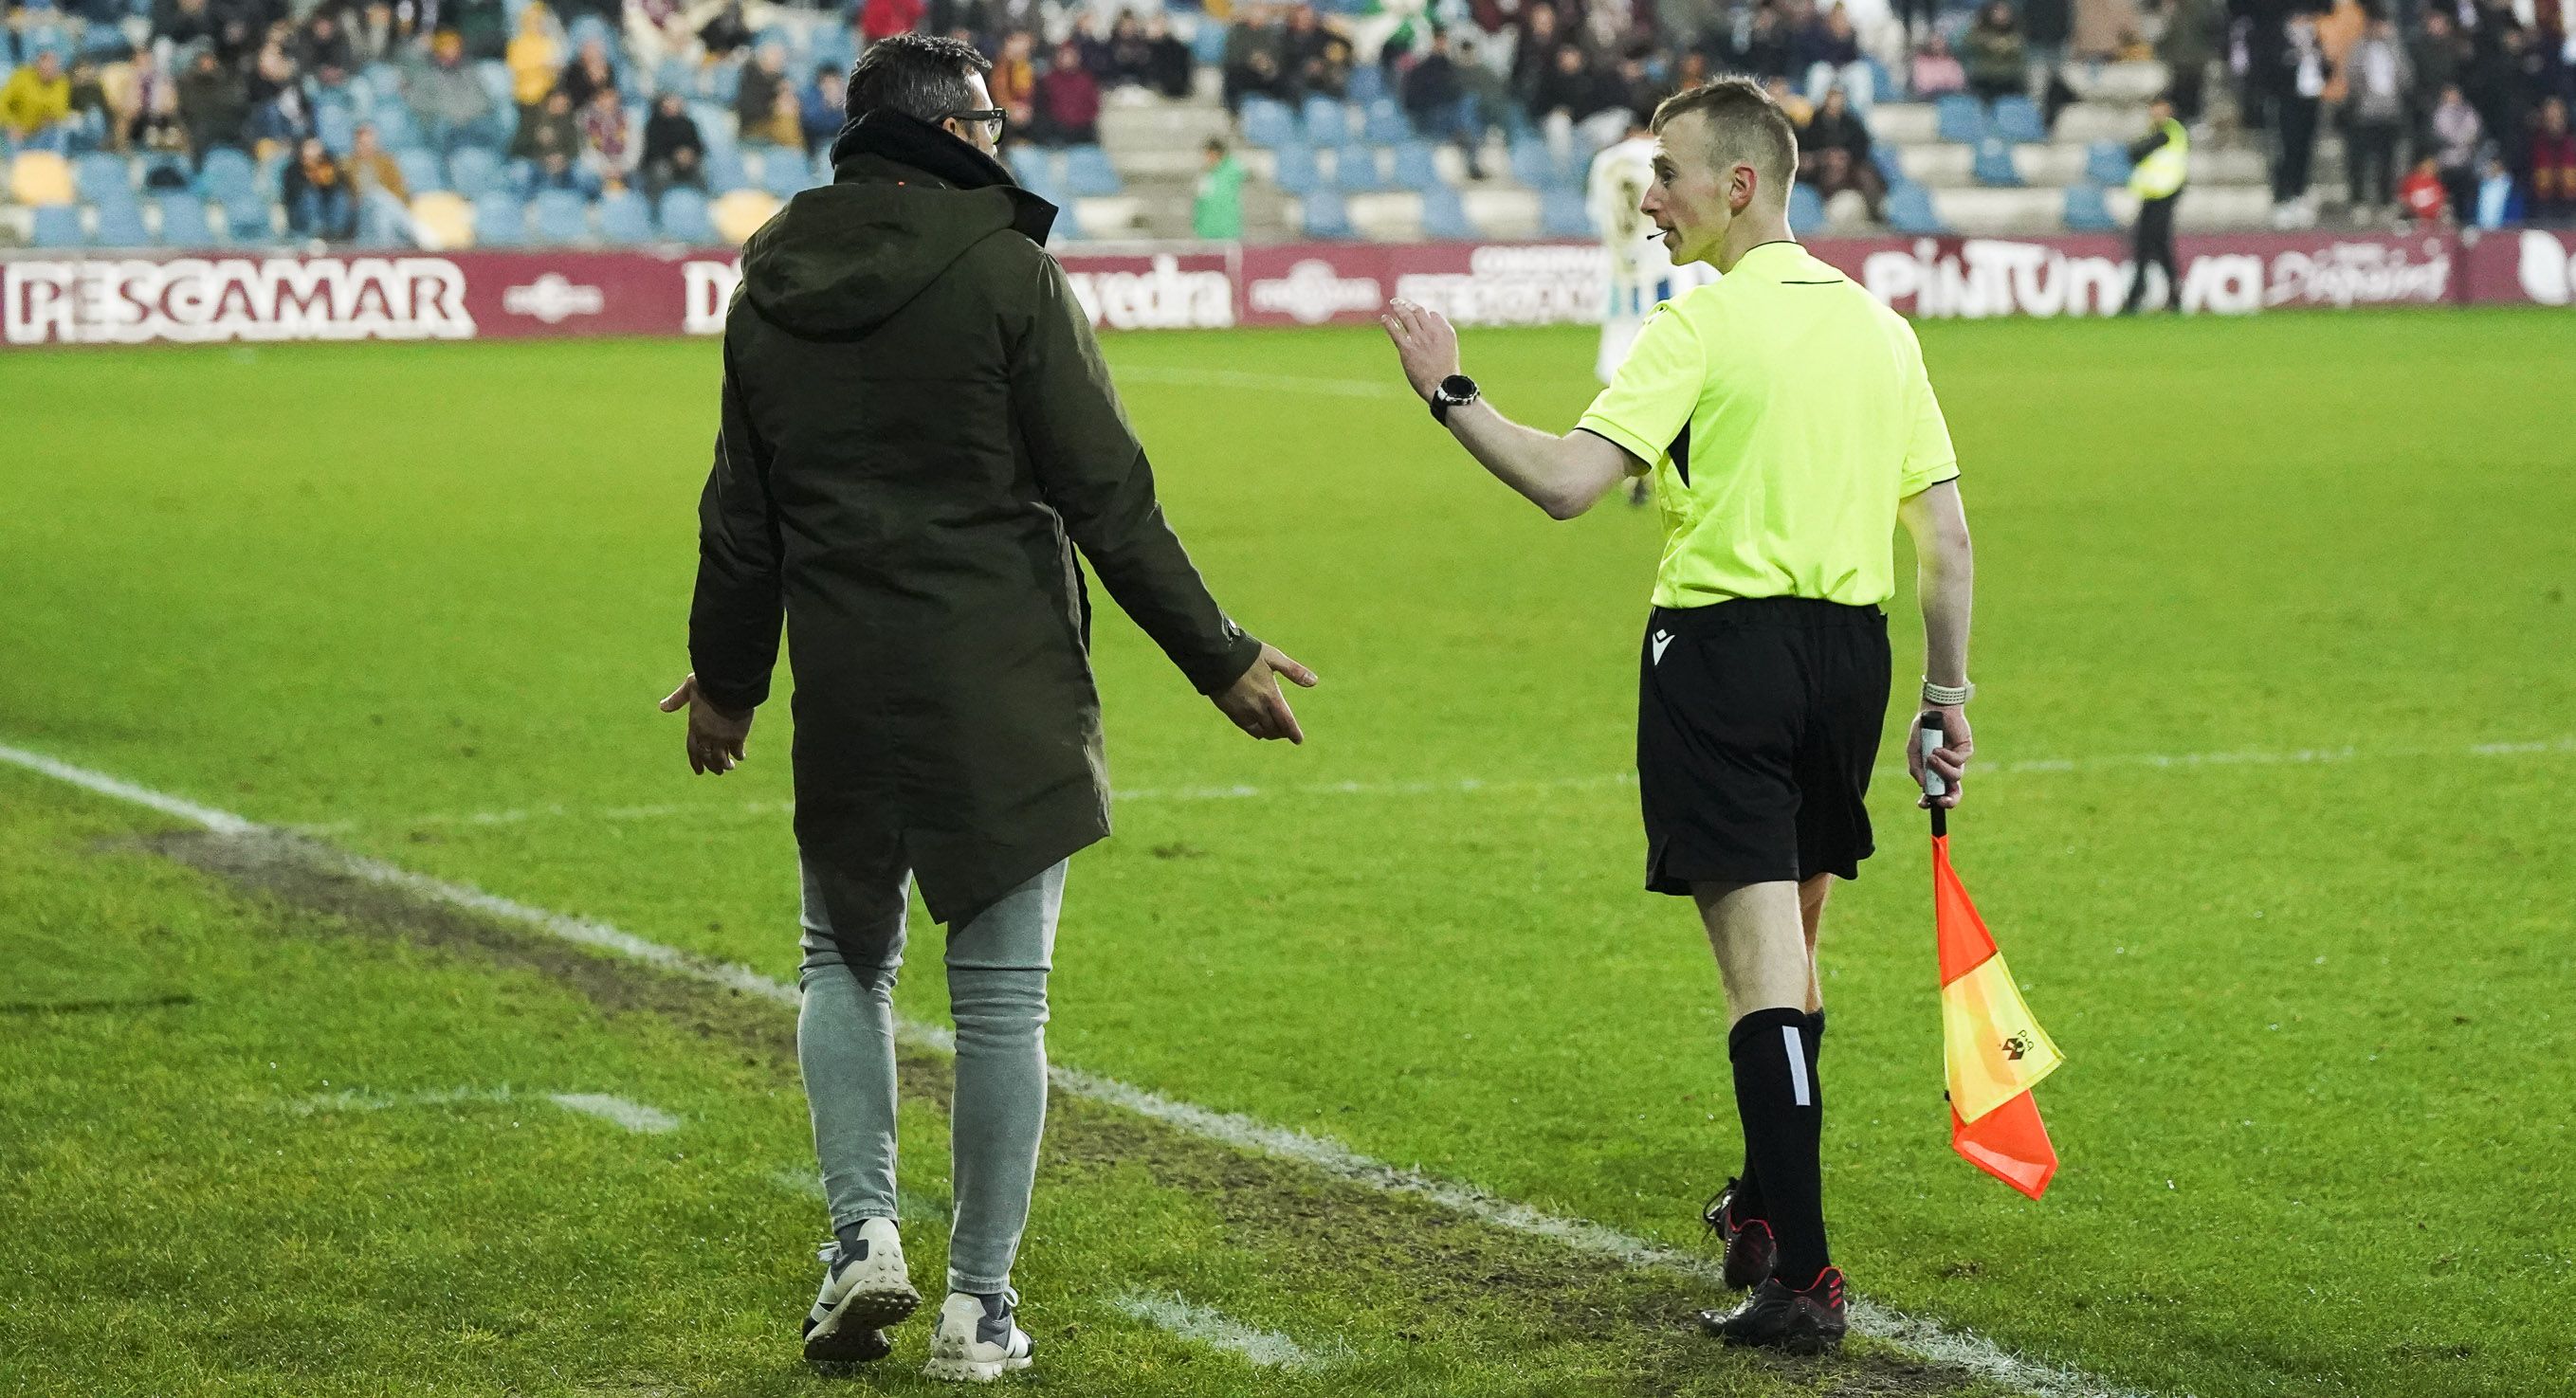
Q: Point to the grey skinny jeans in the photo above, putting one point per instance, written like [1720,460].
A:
[997,973]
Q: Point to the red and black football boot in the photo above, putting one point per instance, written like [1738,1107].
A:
[1750,1250]
[1798,1322]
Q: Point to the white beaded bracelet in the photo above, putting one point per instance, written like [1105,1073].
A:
[1948,696]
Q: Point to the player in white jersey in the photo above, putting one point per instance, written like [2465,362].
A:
[1641,274]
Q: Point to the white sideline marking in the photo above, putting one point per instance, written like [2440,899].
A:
[1267,383]
[1930,1338]
[1190,1321]
[2153,761]
[634,1116]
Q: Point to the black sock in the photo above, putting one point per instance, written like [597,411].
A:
[1748,1202]
[1775,1093]
[1815,1045]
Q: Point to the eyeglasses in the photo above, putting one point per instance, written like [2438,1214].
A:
[992,117]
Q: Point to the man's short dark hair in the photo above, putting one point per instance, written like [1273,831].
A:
[1744,126]
[919,75]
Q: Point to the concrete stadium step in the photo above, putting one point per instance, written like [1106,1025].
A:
[2021,212]
[1165,126]
[1913,123]
[2062,163]
[2117,82]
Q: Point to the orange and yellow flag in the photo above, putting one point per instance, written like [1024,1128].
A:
[1992,1048]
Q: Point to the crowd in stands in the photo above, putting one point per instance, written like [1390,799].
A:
[2455,108]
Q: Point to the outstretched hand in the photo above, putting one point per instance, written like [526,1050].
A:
[1425,344]
[1255,701]
[716,737]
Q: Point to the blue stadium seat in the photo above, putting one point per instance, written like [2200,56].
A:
[119,226]
[2017,119]
[725,170]
[1806,210]
[1562,213]
[1385,124]
[104,180]
[1882,83]
[1267,124]
[1415,168]
[1326,216]
[419,170]
[1889,160]
[2106,162]
[624,217]
[57,226]
[1088,173]
[473,171]
[561,216]
[1067,227]
[1036,170]
[1207,41]
[498,85]
[1994,166]
[337,126]
[1355,170]
[785,174]
[1444,216]
[500,220]
[247,219]
[1296,173]
[683,217]
[228,175]
[395,127]
[1909,209]
[1959,118]
[1533,164]
[2087,211]
[1327,122]
[183,222]
[1367,84]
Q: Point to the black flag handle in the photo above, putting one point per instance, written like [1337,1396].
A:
[1933,786]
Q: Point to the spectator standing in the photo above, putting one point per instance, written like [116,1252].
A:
[1170,70]
[2299,87]
[1068,100]
[1435,101]
[1997,60]
[674,152]
[2374,112]
[1255,48]
[883,19]
[1216,209]
[2457,133]
[2435,56]
[535,57]
[588,74]
[1131,57]
[1933,69]
[2046,26]
[1533,55]
[2190,41]
[37,100]
[822,106]
[755,100]
[1834,154]
[2160,165]
[1484,103]
[445,96]
[604,140]
[316,193]
[2553,164]
[214,104]
[2499,195]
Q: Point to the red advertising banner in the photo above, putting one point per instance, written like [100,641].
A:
[195,298]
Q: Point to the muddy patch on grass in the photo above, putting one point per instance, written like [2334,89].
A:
[1526,1292]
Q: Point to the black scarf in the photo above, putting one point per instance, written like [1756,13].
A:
[908,140]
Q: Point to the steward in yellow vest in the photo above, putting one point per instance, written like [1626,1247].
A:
[2162,165]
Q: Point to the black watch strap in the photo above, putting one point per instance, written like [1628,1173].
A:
[1455,391]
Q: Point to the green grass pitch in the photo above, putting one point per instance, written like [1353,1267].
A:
[2275,738]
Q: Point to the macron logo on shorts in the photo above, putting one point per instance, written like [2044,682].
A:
[1661,640]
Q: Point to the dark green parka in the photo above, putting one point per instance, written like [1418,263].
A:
[917,433]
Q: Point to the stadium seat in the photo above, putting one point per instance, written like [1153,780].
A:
[2106,162]
[419,170]
[104,180]
[1067,227]
[1889,160]
[500,220]
[40,178]
[683,217]
[1415,168]
[1088,173]
[183,222]
[1444,216]
[1959,118]
[1355,170]
[1327,122]
[1036,170]
[624,217]
[740,214]
[379,224]
[1533,164]
[2087,211]
[726,171]
[57,226]
[560,216]
[246,218]
[2017,119]
[498,85]
[1326,216]
[1267,124]
[1296,173]
[337,126]
[1207,41]
[1562,213]
[120,226]
[443,219]
[1806,210]
[1909,209]
[1994,165]
[784,173]
[1366,85]
[473,171]
[395,127]
[1385,124]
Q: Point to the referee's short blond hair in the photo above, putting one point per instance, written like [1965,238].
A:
[1744,127]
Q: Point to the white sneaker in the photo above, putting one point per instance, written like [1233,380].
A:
[977,1341]
[861,1293]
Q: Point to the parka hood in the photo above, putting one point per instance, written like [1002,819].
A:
[906,201]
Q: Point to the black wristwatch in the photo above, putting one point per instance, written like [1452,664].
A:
[1455,391]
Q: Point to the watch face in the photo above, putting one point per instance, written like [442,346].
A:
[1458,388]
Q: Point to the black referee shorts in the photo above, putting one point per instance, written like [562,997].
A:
[1758,721]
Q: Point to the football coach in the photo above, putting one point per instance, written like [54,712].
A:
[917,436]
[1785,419]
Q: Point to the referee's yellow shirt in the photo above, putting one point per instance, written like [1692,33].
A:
[1785,413]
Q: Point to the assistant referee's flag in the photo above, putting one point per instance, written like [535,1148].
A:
[1992,1048]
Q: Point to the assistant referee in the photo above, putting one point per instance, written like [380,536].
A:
[1785,419]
